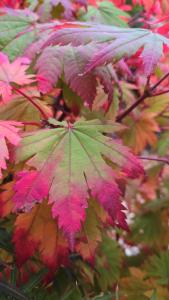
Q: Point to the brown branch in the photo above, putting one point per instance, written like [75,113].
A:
[147,93]
[130,109]
[159,159]
[161,93]
[159,82]
[43,114]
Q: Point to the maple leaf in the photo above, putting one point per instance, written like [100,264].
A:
[64,8]
[157,105]
[105,13]
[149,225]
[159,267]
[37,230]
[67,156]
[20,109]
[6,204]
[163,143]
[12,72]
[142,131]
[10,3]
[108,262]
[16,30]
[46,9]
[151,182]
[90,234]
[19,29]
[135,286]
[70,62]
[8,133]
[154,6]
[116,43]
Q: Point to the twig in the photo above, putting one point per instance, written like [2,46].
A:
[56,104]
[161,93]
[147,93]
[159,159]
[43,114]
[135,18]
[133,106]
[147,86]
[159,82]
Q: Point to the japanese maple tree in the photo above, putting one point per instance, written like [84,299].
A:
[84,144]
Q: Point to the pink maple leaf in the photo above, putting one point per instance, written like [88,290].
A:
[69,162]
[12,72]
[8,132]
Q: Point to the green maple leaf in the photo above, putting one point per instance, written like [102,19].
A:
[105,13]
[108,263]
[159,267]
[16,31]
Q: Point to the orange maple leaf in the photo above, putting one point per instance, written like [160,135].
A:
[141,131]
[37,230]
[6,204]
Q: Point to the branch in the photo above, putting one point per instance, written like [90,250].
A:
[133,106]
[159,159]
[159,82]
[43,114]
[147,93]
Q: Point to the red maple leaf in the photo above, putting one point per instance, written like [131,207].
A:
[10,3]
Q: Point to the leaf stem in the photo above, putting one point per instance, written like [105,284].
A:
[117,292]
[32,123]
[147,93]
[43,114]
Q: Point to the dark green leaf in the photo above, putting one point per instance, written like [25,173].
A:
[34,280]
[10,290]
